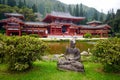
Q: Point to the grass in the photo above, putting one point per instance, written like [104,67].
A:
[48,71]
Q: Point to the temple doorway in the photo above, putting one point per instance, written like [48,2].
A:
[64,29]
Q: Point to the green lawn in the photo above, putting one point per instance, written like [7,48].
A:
[48,71]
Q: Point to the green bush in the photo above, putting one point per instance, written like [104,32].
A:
[96,36]
[20,52]
[34,35]
[87,35]
[108,53]
[2,52]
[117,35]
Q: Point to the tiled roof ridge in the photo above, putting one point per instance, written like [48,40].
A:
[14,14]
[63,14]
[94,21]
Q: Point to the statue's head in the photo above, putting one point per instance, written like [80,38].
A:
[72,43]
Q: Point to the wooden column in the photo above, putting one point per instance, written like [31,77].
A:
[38,31]
[32,31]
[101,34]
[50,30]
[19,32]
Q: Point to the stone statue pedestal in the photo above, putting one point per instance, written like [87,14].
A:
[70,65]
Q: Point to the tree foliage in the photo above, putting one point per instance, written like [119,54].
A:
[46,6]
[95,16]
[114,21]
[28,13]
[20,52]
[11,3]
[108,53]
[34,7]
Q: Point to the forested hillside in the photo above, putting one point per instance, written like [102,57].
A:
[46,6]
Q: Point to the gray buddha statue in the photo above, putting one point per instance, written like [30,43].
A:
[71,60]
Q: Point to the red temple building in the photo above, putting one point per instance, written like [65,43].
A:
[57,24]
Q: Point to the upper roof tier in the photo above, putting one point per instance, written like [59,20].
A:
[35,24]
[94,21]
[97,27]
[61,16]
[17,15]
[12,20]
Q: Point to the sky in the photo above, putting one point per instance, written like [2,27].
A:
[100,5]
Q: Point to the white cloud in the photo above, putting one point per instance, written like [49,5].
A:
[104,5]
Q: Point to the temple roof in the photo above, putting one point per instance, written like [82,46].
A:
[96,27]
[61,15]
[12,20]
[21,16]
[94,21]
[36,24]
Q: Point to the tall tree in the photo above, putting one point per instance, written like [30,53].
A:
[3,2]
[63,8]
[11,2]
[108,17]
[117,14]
[77,10]
[25,3]
[101,16]
[20,4]
[34,7]
[95,16]
[74,11]
[70,9]
[81,10]
[0,1]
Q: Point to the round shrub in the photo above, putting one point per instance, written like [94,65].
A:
[20,52]
[87,35]
[108,53]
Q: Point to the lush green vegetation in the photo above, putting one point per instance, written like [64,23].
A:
[108,53]
[20,52]
[15,51]
[88,35]
[48,71]
[46,6]
[27,12]
[113,19]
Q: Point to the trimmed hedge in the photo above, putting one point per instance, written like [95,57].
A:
[108,53]
[20,52]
